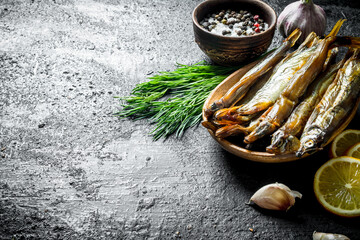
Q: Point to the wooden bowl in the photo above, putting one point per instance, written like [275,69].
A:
[233,50]
[233,147]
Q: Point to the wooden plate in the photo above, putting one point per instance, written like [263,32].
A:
[233,147]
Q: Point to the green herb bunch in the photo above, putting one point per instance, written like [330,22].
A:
[173,100]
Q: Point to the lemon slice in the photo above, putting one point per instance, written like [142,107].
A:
[344,141]
[337,186]
[354,151]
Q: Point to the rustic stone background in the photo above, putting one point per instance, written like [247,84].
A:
[69,169]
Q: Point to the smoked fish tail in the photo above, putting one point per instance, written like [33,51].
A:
[336,28]
[293,37]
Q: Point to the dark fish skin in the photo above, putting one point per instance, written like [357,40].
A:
[270,91]
[290,96]
[285,139]
[336,104]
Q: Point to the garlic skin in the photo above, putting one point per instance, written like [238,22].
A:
[329,236]
[275,196]
[303,14]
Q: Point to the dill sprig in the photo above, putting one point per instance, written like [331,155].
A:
[173,100]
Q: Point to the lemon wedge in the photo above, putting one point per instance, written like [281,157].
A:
[354,151]
[343,142]
[337,186]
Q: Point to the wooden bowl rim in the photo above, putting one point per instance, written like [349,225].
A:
[265,6]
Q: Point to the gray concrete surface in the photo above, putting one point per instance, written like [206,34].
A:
[69,169]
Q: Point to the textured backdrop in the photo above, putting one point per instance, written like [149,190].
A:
[69,169]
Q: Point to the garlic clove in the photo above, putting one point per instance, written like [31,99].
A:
[276,196]
[329,236]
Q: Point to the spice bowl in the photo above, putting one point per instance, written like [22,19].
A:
[233,50]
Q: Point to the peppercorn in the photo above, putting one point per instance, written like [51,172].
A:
[241,23]
[231,21]
[224,32]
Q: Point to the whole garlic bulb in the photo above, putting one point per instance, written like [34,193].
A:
[303,14]
[276,196]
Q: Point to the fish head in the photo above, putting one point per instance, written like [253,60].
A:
[224,117]
[278,140]
[218,104]
[264,128]
[310,142]
[213,108]
[282,142]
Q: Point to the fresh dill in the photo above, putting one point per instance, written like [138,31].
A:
[173,100]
